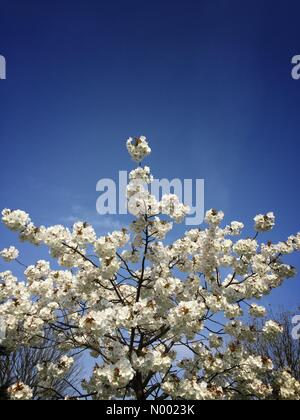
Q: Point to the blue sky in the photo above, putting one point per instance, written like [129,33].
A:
[209,82]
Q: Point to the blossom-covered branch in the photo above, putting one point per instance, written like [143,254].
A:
[161,320]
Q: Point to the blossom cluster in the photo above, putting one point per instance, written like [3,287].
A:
[161,320]
[138,148]
[20,391]
[49,372]
[9,254]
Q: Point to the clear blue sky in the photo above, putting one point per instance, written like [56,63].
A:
[208,81]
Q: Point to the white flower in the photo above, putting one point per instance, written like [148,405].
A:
[66,362]
[289,387]
[15,220]
[106,246]
[49,372]
[233,311]
[246,247]
[20,391]
[215,341]
[264,223]
[272,329]
[166,287]
[83,233]
[117,375]
[294,241]
[159,228]
[153,361]
[171,206]
[141,174]
[186,317]
[214,217]
[138,148]
[257,311]
[37,272]
[9,254]
[234,229]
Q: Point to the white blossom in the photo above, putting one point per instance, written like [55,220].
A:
[247,247]
[138,148]
[264,223]
[20,391]
[15,219]
[257,311]
[9,254]
[272,329]
[214,217]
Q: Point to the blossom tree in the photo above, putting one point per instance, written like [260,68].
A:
[20,366]
[161,320]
